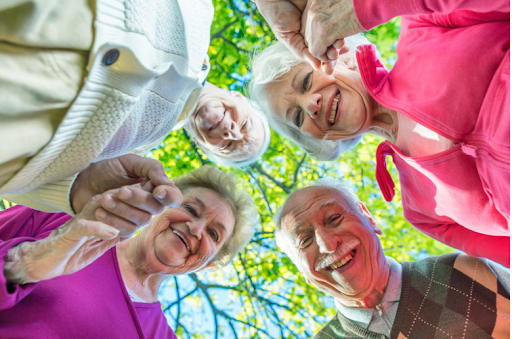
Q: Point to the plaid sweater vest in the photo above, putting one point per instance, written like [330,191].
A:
[449,296]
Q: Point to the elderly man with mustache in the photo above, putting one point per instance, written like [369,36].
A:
[332,239]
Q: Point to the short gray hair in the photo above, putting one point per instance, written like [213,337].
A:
[277,60]
[228,186]
[228,162]
[329,182]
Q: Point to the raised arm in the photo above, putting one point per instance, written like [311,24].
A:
[495,248]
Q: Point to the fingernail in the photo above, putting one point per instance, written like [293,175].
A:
[125,193]
[110,202]
[101,213]
[160,195]
[166,179]
[114,232]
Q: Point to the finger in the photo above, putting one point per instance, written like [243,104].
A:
[91,228]
[328,67]
[338,44]
[168,195]
[332,53]
[135,196]
[295,42]
[143,167]
[125,227]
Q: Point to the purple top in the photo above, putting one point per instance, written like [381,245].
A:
[91,303]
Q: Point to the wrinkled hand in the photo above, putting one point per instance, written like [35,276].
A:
[284,17]
[66,250]
[324,25]
[124,170]
[104,222]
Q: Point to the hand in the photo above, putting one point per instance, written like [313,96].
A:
[284,17]
[66,250]
[129,207]
[324,25]
[127,169]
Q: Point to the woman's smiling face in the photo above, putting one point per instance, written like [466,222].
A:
[185,239]
[322,106]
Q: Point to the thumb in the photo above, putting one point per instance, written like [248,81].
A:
[92,228]
[152,169]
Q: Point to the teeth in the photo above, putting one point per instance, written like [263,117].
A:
[334,107]
[342,261]
[179,235]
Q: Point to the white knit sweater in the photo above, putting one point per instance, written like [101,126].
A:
[129,106]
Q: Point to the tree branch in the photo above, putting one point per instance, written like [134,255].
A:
[222,30]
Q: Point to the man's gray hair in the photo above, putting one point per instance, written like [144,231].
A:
[272,63]
[345,190]
[228,186]
[228,162]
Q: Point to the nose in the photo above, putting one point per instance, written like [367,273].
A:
[231,131]
[196,227]
[313,105]
[326,241]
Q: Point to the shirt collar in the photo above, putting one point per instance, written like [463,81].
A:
[391,294]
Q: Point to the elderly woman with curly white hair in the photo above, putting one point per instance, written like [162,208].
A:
[443,110]
[63,277]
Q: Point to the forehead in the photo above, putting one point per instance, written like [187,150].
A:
[303,205]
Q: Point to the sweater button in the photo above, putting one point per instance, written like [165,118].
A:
[110,57]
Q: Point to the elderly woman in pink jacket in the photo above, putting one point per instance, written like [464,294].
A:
[443,109]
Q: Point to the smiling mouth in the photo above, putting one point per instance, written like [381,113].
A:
[334,108]
[182,239]
[343,261]
[218,122]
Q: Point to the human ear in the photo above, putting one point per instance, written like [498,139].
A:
[370,219]
[347,61]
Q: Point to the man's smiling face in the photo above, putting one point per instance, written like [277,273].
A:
[334,245]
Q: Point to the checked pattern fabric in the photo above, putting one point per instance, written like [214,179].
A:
[449,296]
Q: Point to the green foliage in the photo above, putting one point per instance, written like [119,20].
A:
[262,295]
[268,298]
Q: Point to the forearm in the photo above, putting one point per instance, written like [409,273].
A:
[51,197]
[372,13]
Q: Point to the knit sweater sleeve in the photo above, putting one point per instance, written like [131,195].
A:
[51,197]
[19,224]
[371,13]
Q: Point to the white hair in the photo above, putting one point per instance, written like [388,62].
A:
[345,190]
[228,186]
[267,67]
[232,162]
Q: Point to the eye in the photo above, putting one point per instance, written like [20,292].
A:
[334,218]
[244,125]
[190,209]
[298,118]
[213,234]
[227,146]
[306,81]
[305,242]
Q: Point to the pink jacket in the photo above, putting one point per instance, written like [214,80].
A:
[452,75]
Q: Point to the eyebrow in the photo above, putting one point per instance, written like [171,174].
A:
[327,203]
[202,206]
